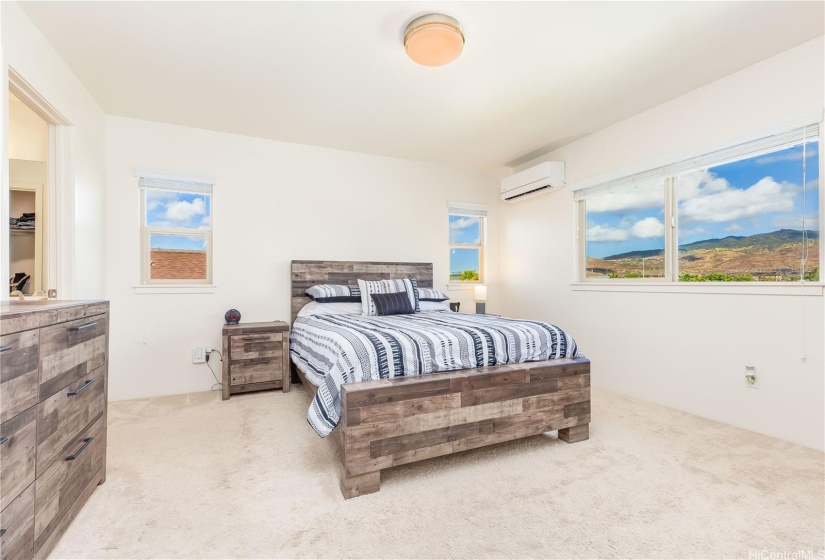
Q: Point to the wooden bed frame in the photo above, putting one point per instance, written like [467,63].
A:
[391,422]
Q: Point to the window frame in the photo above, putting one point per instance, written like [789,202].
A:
[147,231]
[468,211]
[670,281]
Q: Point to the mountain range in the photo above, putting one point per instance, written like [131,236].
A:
[771,240]
[763,256]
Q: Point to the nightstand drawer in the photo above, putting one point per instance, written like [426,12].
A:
[265,345]
[261,370]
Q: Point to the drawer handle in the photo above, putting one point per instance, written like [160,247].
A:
[83,326]
[258,361]
[4,439]
[82,388]
[254,338]
[4,348]
[77,453]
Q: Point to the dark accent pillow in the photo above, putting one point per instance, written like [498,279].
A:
[396,303]
[334,293]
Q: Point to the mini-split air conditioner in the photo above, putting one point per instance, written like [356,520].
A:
[541,178]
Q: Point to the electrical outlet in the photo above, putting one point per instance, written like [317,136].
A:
[198,355]
[751,378]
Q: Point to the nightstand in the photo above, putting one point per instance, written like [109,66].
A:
[255,357]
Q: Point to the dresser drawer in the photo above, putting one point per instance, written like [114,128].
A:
[18,375]
[17,527]
[70,351]
[67,413]
[259,370]
[18,445]
[266,345]
[60,486]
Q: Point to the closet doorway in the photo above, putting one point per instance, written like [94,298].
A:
[39,167]
[28,175]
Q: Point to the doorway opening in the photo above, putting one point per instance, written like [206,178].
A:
[40,201]
[28,175]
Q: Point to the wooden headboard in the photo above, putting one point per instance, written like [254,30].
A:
[305,274]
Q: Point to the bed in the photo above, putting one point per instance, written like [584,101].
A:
[391,421]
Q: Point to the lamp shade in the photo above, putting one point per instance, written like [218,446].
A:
[481,292]
[434,40]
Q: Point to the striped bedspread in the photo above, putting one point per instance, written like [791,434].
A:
[336,349]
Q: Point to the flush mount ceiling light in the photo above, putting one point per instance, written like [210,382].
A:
[434,40]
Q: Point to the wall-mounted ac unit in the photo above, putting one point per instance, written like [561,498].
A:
[541,178]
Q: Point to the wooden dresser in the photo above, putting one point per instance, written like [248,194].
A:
[255,357]
[53,397]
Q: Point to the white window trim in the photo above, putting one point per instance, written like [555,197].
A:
[185,286]
[473,210]
[671,284]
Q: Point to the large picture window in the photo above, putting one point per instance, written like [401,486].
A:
[467,242]
[176,223]
[745,214]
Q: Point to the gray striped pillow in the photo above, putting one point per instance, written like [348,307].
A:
[409,285]
[334,293]
[427,294]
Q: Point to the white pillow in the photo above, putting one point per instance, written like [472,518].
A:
[369,287]
[338,308]
[429,306]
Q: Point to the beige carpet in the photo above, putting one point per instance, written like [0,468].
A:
[193,477]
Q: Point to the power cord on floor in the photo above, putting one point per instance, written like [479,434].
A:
[217,384]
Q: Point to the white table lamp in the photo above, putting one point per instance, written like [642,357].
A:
[480,292]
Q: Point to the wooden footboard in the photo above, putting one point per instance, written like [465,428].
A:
[396,421]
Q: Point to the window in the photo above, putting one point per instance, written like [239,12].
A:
[176,222]
[625,234]
[749,213]
[467,240]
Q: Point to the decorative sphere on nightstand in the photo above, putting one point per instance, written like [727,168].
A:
[232,317]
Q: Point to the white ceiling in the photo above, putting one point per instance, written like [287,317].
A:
[533,75]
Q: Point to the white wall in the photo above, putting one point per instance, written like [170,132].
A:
[30,54]
[28,133]
[273,202]
[687,351]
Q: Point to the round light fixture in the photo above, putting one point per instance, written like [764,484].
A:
[434,40]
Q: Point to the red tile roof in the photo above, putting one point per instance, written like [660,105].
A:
[178,264]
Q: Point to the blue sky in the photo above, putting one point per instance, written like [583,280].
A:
[177,210]
[756,195]
[464,229]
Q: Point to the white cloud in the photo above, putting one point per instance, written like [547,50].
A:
[636,198]
[698,230]
[158,198]
[462,223]
[728,204]
[734,227]
[700,183]
[791,156]
[794,221]
[599,233]
[648,228]
[183,211]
